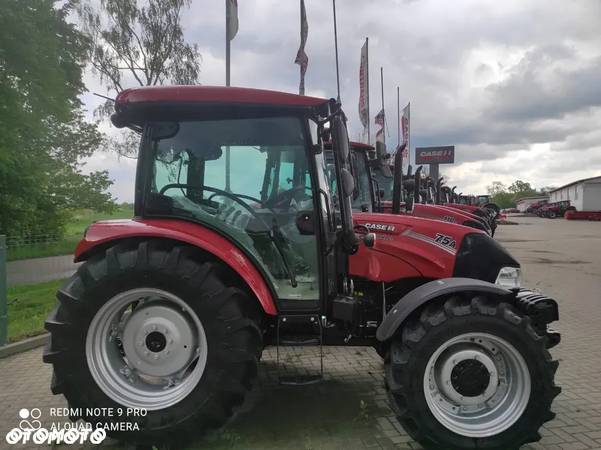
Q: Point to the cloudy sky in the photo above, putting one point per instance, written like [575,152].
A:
[515,85]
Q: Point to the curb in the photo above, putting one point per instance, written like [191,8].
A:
[24,345]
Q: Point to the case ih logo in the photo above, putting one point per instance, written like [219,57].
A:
[435,155]
[379,227]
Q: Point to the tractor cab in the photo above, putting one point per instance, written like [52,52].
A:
[257,177]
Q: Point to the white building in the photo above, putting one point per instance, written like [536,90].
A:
[584,195]
[523,203]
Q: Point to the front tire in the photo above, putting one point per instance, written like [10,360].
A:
[156,326]
[471,373]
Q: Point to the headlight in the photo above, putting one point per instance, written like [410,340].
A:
[509,277]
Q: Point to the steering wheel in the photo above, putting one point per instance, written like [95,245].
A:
[285,197]
[234,197]
[237,195]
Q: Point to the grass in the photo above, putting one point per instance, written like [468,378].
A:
[28,306]
[73,234]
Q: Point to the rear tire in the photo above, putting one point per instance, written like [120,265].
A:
[491,354]
[198,300]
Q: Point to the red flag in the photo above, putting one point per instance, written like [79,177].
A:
[301,57]
[363,87]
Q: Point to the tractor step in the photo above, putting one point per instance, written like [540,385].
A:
[299,341]
[298,330]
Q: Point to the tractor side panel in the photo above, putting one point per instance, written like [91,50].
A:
[407,247]
[445,213]
[101,233]
[461,207]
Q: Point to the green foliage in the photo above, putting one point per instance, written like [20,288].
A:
[140,42]
[73,232]
[141,38]
[28,307]
[506,197]
[43,135]
[522,189]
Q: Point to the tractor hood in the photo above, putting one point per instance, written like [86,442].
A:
[441,212]
[407,246]
[414,247]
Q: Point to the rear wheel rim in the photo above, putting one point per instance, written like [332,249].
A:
[477,385]
[146,348]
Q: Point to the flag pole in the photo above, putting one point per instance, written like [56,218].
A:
[384,118]
[367,86]
[227,43]
[409,133]
[398,117]
[227,83]
[336,50]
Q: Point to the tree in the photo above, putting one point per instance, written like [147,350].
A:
[43,136]
[496,188]
[506,197]
[522,189]
[137,42]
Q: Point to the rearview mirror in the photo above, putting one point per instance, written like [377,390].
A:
[348,182]
[340,137]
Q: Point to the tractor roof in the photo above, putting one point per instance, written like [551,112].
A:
[135,106]
[213,94]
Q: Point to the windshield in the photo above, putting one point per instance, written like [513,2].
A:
[249,179]
[385,182]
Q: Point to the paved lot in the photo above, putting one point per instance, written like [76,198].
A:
[349,411]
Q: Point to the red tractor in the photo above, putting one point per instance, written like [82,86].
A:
[554,210]
[415,195]
[239,242]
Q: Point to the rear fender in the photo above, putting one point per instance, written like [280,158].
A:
[105,233]
[426,292]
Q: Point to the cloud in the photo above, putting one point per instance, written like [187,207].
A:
[514,85]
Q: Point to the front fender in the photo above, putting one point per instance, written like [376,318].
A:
[426,292]
[102,234]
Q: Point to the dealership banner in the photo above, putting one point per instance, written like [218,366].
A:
[435,155]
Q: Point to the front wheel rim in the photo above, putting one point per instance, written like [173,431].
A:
[477,385]
[146,348]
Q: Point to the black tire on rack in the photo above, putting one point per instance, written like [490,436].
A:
[470,373]
[155,325]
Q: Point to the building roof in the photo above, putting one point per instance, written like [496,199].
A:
[213,94]
[584,180]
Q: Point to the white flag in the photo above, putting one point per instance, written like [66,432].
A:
[231,15]
[301,57]
[406,127]
[363,87]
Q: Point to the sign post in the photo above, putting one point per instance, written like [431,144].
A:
[434,156]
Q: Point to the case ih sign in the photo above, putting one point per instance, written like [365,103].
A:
[435,155]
